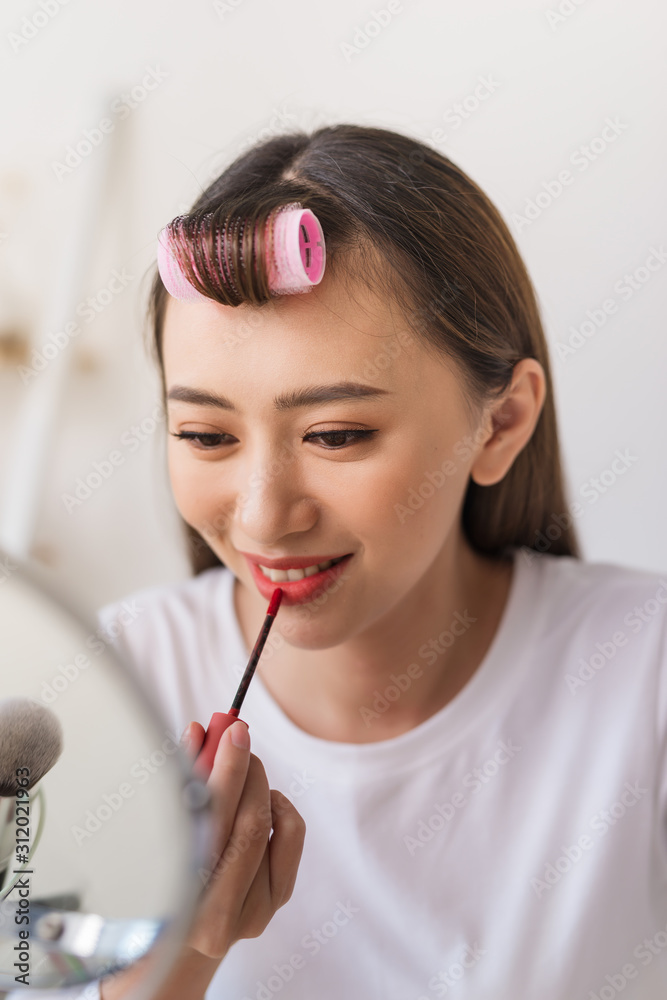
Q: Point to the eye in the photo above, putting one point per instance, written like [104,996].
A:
[339,439]
[332,440]
[206,441]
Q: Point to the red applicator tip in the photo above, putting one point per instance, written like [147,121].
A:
[274,603]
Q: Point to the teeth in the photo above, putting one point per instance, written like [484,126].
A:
[275,575]
[280,575]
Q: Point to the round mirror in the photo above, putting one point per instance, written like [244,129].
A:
[102,826]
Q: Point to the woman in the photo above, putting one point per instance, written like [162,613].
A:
[469,718]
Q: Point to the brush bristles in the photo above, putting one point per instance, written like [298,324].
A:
[31,737]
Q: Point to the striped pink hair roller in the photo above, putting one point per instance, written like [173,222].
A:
[296,255]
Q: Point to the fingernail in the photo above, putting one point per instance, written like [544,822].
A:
[186,737]
[240,735]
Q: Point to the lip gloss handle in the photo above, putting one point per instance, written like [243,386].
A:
[216,727]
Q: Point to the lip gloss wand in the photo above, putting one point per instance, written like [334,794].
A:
[222,720]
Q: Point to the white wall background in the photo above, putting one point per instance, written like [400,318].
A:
[234,72]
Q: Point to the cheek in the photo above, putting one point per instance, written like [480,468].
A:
[409,504]
[191,484]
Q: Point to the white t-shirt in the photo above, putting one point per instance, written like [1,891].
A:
[513,846]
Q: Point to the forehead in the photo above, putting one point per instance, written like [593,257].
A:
[341,330]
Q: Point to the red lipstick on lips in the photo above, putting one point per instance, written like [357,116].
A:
[295,591]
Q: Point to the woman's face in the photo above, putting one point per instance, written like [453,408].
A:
[377,473]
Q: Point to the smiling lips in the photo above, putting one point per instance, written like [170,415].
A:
[293,572]
[297,573]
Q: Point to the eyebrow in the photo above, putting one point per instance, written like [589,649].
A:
[308,396]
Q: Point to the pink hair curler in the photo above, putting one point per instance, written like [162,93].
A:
[295,250]
[173,278]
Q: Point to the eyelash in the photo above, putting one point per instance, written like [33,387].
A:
[357,436]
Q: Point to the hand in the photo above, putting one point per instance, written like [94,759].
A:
[253,870]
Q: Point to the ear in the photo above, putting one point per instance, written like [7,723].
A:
[511,422]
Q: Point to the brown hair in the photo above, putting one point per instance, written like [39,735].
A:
[429,237]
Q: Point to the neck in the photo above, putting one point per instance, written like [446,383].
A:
[402,668]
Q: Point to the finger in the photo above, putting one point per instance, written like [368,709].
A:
[235,872]
[285,847]
[192,739]
[228,780]
[252,826]
[258,908]
[276,874]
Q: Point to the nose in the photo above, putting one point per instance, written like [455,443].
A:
[272,502]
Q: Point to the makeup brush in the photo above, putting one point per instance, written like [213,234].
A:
[31,741]
[221,720]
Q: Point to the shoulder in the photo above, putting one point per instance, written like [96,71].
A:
[605,596]
[180,641]
[598,579]
[188,597]
[164,620]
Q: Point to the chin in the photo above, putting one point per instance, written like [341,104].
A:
[315,632]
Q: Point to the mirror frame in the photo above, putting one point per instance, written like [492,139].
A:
[195,801]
